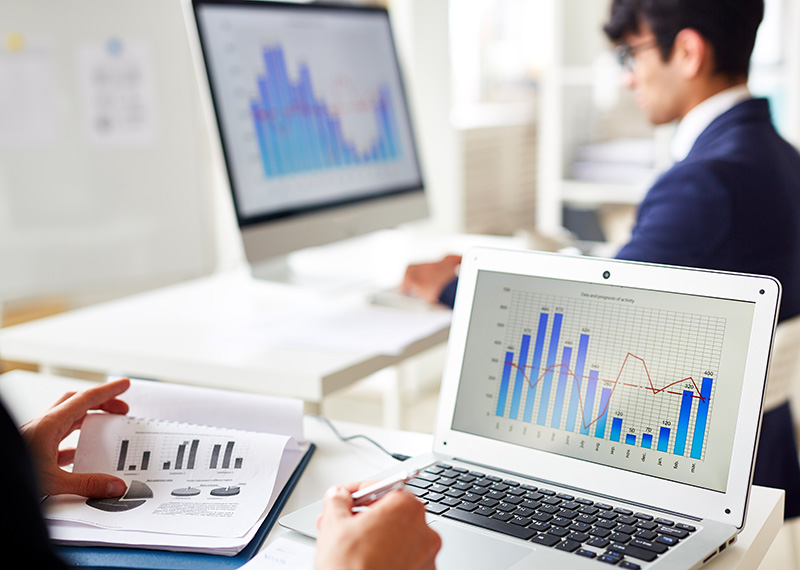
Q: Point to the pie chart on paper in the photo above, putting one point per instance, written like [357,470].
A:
[137,495]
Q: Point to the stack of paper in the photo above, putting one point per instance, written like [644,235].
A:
[201,478]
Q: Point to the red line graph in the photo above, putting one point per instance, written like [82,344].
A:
[650,387]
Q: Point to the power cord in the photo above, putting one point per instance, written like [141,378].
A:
[397,456]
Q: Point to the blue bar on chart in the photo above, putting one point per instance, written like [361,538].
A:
[574,398]
[600,429]
[683,423]
[630,439]
[297,132]
[588,402]
[616,429]
[563,379]
[702,415]
[647,440]
[536,367]
[520,379]
[552,352]
[663,439]
[501,398]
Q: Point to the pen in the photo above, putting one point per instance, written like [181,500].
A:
[377,490]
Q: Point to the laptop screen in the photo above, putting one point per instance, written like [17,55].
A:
[641,380]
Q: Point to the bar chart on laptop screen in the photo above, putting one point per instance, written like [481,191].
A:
[639,377]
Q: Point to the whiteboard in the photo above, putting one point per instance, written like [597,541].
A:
[104,168]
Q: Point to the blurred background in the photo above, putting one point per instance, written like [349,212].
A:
[107,186]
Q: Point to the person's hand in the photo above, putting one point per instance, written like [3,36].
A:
[428,280]
[44,434]
[391,534]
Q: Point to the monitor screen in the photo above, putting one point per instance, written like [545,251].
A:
[312,117]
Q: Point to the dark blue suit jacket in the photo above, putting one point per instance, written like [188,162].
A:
[733,204]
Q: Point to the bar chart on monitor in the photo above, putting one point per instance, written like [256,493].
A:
[610,370]
[309,109]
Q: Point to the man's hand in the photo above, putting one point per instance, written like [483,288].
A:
[391,534]
[45,433]
[428,280]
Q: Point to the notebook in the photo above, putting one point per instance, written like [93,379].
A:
[592,411]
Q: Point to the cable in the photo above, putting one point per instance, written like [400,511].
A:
[397,456]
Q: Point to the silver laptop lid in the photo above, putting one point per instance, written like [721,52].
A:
[632,380]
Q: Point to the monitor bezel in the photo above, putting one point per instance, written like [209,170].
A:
[253,224]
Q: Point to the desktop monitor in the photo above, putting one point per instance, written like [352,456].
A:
[313,121]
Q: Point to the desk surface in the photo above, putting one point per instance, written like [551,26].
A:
[336,462]
[212,331]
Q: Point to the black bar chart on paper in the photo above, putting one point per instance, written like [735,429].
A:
[631,375]
[152,449]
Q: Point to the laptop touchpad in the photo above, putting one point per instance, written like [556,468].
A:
[463,548]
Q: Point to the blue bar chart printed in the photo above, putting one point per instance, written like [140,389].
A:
[580,369]
[298,132]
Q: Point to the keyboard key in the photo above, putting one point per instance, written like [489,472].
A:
[625,528]
[524,512]
[673,532]
[668,540]
[588,519]
[491,524]
[620,537]
[450,501]
[484,511]
[541,526]
[656,547]
[633,551]
[417,491]
[608,559]
[455,493]
[600,532]
[586,502]
[579,536]
[520,521]
[547,492]
[580,527]
[627,520]
[460,469]
[506,507]
[586,553]
[467,506]
[589,510]
[565,497]
[436,508]
[427,476]
[643,516]
[645,534]
[560,521]
[607,515]
[647,525]
[513,500]
[628,565]
[493,479]
[567,514]
[546,539]
[516,491]
[626,512]
[598,542]
[604,506]
[510,483]
[686,527]
[419,483]
[665,522]
[568,545]
[486,502]
[606,524]
[558,531]
[529,487]
[501,516]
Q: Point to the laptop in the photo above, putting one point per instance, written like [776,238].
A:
[593,411]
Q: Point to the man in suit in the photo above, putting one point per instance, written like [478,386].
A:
[731,201]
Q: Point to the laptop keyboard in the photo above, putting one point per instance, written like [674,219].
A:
[591,529]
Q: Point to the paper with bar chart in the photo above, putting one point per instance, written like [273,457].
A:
[636,379]
[309,109]
[182,478]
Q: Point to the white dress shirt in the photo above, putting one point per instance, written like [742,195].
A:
[696,120]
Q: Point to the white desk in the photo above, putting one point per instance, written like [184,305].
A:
[28,394]
[206,331]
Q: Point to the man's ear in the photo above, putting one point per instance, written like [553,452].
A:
[693,54]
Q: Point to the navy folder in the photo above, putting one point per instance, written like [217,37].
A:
[108,558]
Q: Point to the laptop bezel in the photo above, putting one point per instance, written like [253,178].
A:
[729,506]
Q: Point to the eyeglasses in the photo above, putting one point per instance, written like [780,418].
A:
[626,55]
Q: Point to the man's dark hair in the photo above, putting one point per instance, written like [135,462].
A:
[728,25]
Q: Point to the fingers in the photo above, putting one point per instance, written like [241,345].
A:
[338,504]
[102,397]
[97,485]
